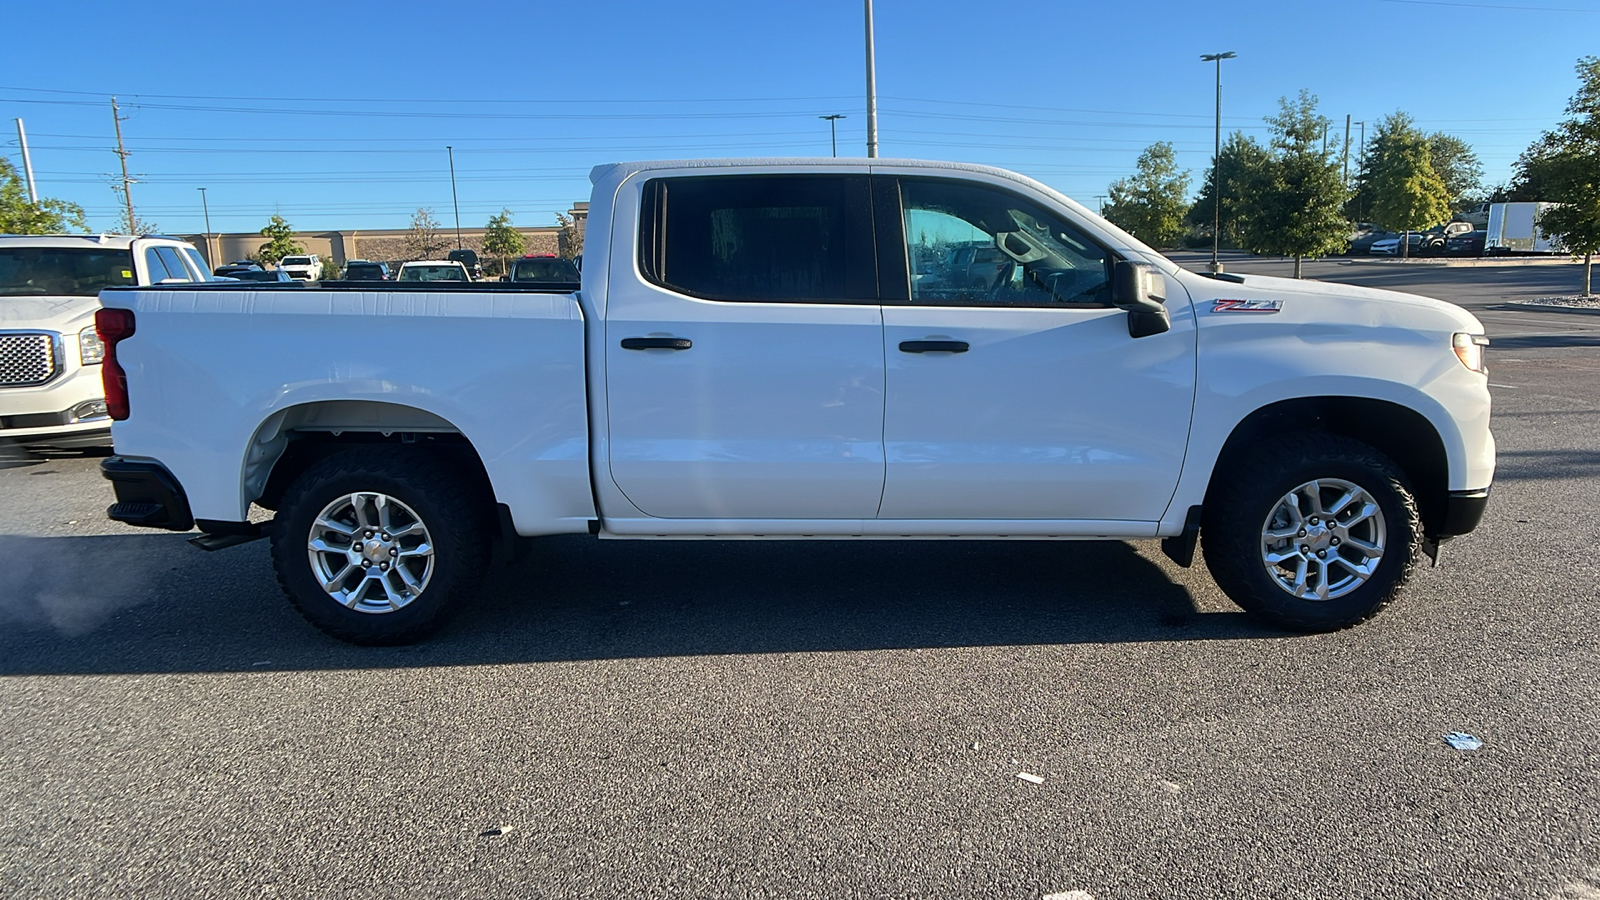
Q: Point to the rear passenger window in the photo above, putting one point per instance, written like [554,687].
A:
[772,238]
[173,264]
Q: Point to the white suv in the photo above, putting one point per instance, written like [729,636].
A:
[302,268]
[50,390]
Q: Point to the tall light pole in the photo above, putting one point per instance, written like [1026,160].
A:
[872,92]
[1216,165]
[206,208]
[833,130]
[453,201]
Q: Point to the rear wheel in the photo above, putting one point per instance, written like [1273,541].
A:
[377,545]
[1315,532]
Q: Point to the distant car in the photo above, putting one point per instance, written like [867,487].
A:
[231,269]
[302,268]
[1469,244]
[433,270]
[544,269]
[261,275]
[469,258]
[1390,246]
[366,270]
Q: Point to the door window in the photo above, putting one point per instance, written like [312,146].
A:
[975,245]
[769,238]
[165,265]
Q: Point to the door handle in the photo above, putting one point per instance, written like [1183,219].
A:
[934,346]
[656,343]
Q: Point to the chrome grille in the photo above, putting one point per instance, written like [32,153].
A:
[27,359]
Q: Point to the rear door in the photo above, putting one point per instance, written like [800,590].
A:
[744,350]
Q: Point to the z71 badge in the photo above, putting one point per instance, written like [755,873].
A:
[1248,306]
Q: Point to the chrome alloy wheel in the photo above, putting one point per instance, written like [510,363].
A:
[1323,539]
[370,552]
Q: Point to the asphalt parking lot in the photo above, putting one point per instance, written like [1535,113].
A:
[827,720]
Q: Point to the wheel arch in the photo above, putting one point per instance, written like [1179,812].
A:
[295,438]
[1398,432]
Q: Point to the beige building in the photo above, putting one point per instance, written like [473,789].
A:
[380,245]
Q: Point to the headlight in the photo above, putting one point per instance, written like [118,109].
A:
[1469,349]
[90,349]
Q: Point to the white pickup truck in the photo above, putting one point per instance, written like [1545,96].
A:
[793,349]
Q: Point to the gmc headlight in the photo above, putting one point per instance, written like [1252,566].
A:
[90,349]
[1470,350]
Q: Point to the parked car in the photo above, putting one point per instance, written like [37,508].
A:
[545,269]
[1361,242]
[732,369]
[262,275]
[366,270]
[302,268]
[243,265]
[469,258]
[50,355]
[1468,244]
[1390,246]
[433,270]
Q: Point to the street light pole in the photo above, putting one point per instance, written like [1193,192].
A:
[872,92]
[1216,165]
[210,260]
[454,202]
[833,130]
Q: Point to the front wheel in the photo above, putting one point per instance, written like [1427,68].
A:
[377,545]
[1314,532]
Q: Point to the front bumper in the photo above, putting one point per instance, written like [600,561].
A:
[147,494]
[1463,511]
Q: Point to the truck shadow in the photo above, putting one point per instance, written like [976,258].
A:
[151,603]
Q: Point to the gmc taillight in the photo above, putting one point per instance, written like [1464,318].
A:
[113,325]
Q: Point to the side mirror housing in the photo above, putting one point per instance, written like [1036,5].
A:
[1139,288]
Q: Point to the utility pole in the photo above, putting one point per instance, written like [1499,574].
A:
[457,203]
[1100,199]
[27,165]
[833,129]
[872,92]
[122,156]
[210,260]
[1347,151]
[1216,165]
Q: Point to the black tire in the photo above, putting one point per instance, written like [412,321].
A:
[1236,518]
[450,510]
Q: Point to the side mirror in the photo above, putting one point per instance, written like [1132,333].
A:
[1139,289]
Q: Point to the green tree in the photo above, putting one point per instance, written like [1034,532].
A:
[1150,205]
[500,239]
[1452,159]
[1407,193]
[280,242]
[1458,167]
[423,240]
[18,216]
[1241,167]
[569,240]
[1298,203]
[1565,163]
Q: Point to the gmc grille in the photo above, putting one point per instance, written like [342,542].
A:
[27,359]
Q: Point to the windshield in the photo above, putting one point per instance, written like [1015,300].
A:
[433,273]
[63,271]
[296,261]
[558,271]
[359,271]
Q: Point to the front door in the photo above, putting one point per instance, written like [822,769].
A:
[1013,391]
[744,369]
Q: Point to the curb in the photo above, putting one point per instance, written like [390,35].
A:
[1457,262]
[1539,307]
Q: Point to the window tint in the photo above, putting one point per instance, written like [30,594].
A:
[557,271]
[196,263]
[974,245]
[173,264]
[760,238]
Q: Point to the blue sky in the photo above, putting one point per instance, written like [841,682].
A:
[338,115]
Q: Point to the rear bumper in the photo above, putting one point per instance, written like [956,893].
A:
[1463,511]
[147,494]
